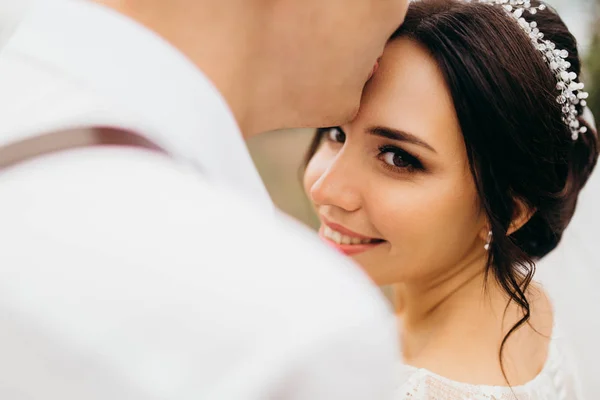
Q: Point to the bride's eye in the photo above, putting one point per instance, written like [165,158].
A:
[396,159]
[335,135]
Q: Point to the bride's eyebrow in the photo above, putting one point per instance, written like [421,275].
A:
[398,135]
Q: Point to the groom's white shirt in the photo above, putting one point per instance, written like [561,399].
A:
[128,275]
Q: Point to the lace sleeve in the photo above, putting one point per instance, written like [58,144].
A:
[426,386]
[557,381]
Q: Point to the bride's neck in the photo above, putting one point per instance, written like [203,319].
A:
[452,303]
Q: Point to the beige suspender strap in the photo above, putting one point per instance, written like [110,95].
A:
[54,142]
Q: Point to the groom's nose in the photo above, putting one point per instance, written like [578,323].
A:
[337,186]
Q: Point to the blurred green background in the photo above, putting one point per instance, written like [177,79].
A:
[278,155]
[593,60]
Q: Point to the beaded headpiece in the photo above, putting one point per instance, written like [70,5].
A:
[571,91]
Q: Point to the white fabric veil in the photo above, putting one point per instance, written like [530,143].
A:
[571,275]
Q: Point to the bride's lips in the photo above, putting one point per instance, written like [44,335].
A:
[359,243]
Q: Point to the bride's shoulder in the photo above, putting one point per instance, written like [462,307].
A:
[542,315]
[540,327]
[528,359]
[527,349]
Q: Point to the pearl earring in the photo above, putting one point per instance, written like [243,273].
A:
[488,242]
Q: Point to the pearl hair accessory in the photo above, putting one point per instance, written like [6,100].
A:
[571,91]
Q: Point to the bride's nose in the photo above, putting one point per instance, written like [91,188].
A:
[337,186]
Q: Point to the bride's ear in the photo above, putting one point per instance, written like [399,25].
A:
[522,215]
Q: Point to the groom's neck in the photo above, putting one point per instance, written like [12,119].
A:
[228,40]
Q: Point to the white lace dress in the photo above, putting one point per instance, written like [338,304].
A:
[557,381]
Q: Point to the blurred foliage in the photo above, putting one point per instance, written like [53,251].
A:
[592,67]
[278,157]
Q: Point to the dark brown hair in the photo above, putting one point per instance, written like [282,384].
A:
[519,149]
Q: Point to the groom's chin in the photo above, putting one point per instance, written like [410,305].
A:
[328,112]
[353,112]
[344,113]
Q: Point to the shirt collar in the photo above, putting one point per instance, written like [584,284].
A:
[142,75]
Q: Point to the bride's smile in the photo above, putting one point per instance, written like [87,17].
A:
[346,240]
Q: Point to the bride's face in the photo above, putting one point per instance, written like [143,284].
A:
[399,176]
